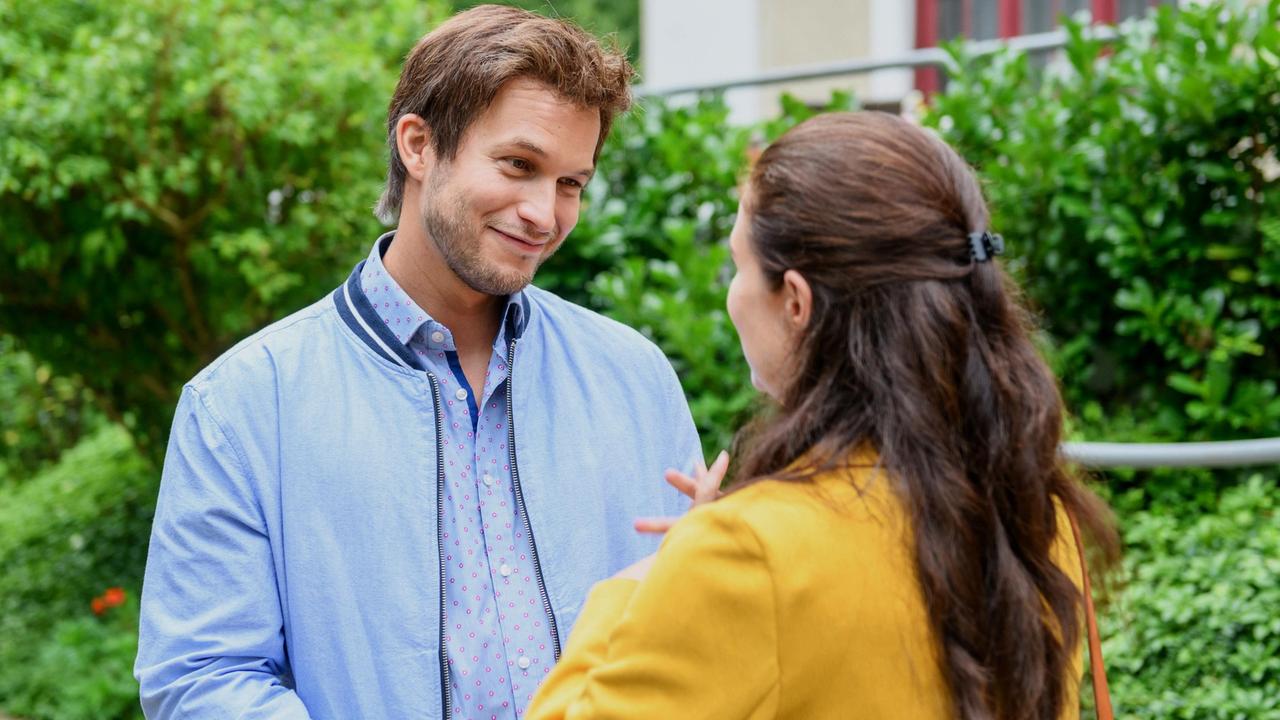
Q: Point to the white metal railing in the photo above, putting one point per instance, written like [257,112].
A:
[921,57]
[1227,453]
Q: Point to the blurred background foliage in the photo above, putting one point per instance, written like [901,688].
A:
[1140,186]
[616,21]
[176,175]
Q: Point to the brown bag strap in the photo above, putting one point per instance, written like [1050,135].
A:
[1098,672]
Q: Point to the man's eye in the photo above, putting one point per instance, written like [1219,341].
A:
[520,164]
[571,184]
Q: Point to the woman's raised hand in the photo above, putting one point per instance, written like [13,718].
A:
[703,487]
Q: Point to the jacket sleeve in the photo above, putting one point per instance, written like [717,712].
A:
[211,641]
[696,639]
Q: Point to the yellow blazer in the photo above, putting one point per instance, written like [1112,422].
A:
[782,600]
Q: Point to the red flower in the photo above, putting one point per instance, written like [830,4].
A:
[99,606]
[113,597]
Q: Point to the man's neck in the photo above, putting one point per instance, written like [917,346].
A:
[473,318]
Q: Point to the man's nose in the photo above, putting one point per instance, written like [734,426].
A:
[538,209]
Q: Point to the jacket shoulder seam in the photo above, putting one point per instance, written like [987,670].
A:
[233,442]
[257,340]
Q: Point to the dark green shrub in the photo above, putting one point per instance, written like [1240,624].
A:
[619,19]
[1136,187]
[65,535]
[174,175]
[1195,632]
[41,415]
[83,669]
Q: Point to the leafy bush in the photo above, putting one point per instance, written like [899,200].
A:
[43,413]
[1136,187]
[176,175]
[83,670]
[1195,632]
[618,19]
[66,534]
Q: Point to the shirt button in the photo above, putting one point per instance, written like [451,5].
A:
[524,662]
[505,570]
[437,336]
[461,394]
[488,480]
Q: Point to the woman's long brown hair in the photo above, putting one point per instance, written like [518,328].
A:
[923,353]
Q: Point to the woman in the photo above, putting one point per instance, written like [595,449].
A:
[898,542]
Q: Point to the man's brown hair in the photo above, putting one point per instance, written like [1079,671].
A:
[452,75]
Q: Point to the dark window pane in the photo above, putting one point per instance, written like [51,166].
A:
[1071,7]
[1131,8]
[950,19]
[1038,16]
[1045,15]
[985,21]
[1137,8]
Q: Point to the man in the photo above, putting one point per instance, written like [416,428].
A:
[391,504]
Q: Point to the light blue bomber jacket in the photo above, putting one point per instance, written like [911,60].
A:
[294,568]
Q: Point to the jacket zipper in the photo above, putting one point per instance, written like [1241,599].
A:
[446,689]
[520,507]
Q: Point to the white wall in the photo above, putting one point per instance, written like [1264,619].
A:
[705,41]
[702,41]
[893,32]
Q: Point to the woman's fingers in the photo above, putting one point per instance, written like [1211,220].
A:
[705,485]
[703,488]
[711,481]
[681,482]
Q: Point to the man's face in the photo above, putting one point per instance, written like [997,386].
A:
[509,197]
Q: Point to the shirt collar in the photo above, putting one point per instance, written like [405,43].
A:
[384,293]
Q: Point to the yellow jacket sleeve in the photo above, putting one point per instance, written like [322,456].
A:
[696,639]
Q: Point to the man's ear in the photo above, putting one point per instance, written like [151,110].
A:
[413,142]
[797,299]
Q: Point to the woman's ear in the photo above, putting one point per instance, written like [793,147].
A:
[413,143]
[797,299]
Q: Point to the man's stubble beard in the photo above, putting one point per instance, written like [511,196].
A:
[444,221]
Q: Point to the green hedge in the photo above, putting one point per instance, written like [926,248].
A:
[1136,188]
[43,414]
[1135,184]
[1195,632]
[82,669]
[175,175]
[66,535]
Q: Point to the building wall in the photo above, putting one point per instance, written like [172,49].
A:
[813,32]
[687,42]
[695,41]
[708,41]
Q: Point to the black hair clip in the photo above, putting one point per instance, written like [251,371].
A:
[985,245]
